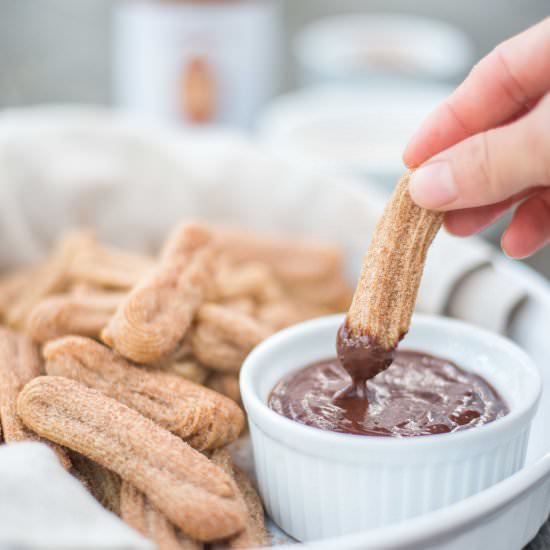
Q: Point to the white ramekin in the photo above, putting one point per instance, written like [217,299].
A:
[318,484]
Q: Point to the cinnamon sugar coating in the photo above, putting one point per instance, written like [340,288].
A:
[386,292]
[204,418]
[193,493]
[152,321]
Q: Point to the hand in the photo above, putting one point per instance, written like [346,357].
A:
[487,147]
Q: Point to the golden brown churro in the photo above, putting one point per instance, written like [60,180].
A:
[225,383]
[333,292]
[64,314]
[11,285]
[101,482]
[51,277]
[139,513]
[291,259]
[223,337]
[211,350]
[151,323]
[244,305]
[384,299]
[193,493]
[108,267]
[19,363]
[189,369]
[248,280]
[254,534]
[281,314]
[204,418]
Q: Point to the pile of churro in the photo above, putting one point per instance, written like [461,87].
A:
[127,366]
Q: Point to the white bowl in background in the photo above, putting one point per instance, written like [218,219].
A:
[348,130]
[381,46]
[318,484]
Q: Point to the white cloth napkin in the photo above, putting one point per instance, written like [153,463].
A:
[43,507]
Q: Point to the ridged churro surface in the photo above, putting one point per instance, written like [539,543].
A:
[204,418]
[139,513]
[151,323]
[386,292]
[191,491]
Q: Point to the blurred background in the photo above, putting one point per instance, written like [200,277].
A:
[339,85]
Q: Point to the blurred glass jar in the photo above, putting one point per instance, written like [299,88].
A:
[196,62]
[382,49]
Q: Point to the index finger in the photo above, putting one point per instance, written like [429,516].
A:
[504,83]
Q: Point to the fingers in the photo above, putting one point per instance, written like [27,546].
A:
[507,81]
[470,221]
[489,167]
[529,229]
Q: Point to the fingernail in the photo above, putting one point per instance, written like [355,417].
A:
[433,185]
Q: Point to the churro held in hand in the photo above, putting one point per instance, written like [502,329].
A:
[384,299]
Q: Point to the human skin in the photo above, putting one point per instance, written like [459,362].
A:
[486,148]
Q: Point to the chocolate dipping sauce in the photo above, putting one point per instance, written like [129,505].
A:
[418,394]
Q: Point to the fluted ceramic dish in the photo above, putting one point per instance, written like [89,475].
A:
[318,484]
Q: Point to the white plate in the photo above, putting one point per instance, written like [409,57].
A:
[60,167]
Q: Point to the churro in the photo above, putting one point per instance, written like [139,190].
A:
[189,369]
[281,314]
[108,267]
[139,513]
[225,383]
[151,323]
[193,493]
[384,299]
[103,484]
[19,363]
[51,277]
[204,418]
[248,280]
[211,350]
[254,534]
[64,314]
[11,285]
[223,336]
[291,260]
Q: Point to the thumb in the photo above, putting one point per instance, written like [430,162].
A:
[488,167]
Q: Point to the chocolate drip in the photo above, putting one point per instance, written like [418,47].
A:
[363,358]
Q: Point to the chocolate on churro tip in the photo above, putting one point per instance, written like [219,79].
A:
[386,292]
[190,490]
